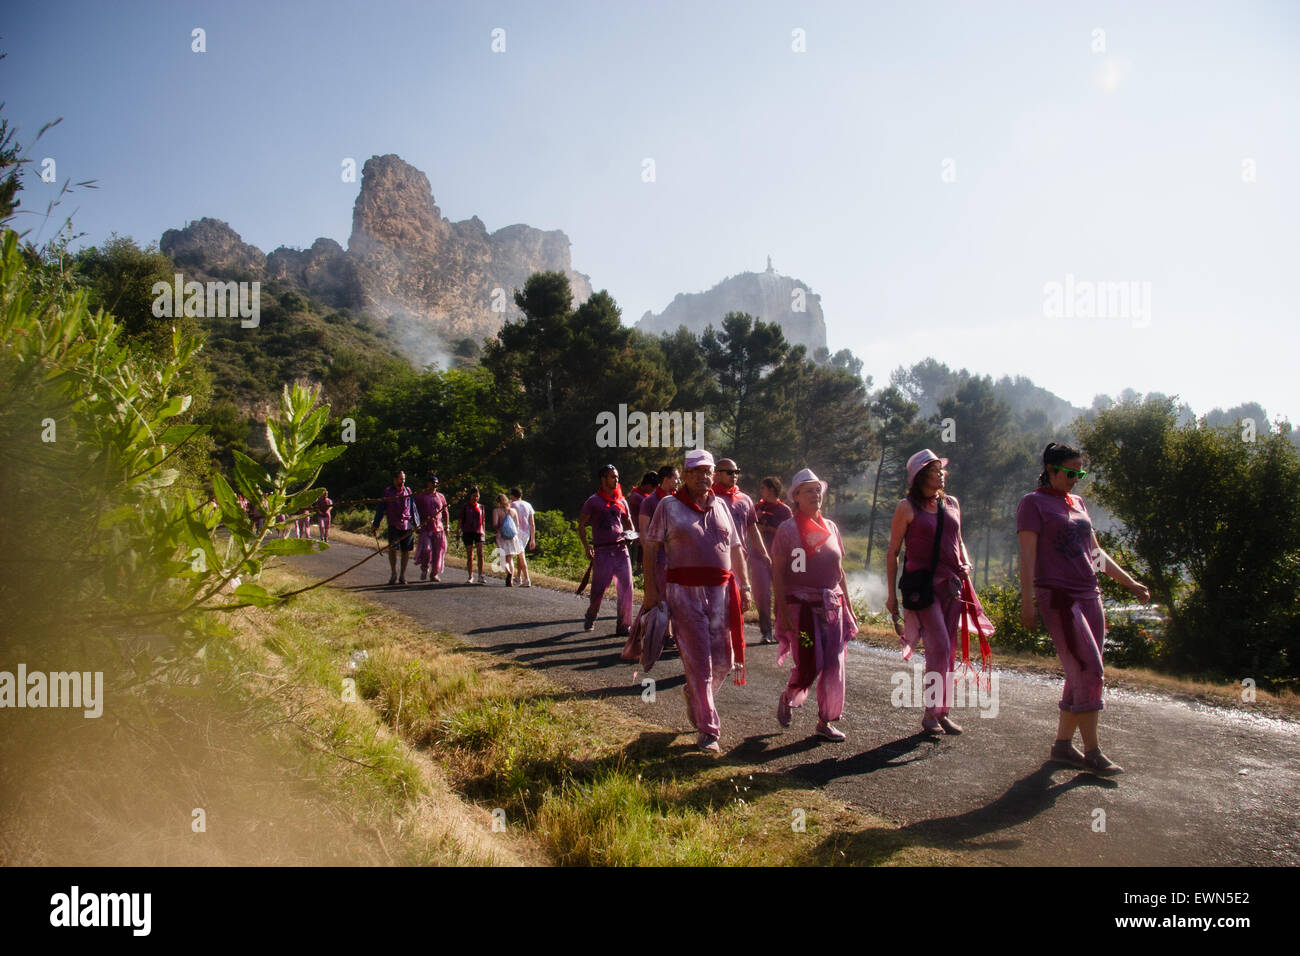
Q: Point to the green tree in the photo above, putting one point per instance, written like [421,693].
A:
[741,357]
[1214,521]
[892,414]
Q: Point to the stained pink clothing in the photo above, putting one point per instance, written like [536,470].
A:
[605,519]
[634,499]
[612,563]
[1064,555]
[919,540]
[694,539]
[322,509]
[699,612]
[818,586]
[760,576]
[743,515]
[1081,655]
[938,627]
[699,616]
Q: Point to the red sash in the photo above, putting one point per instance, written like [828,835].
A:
[711,577]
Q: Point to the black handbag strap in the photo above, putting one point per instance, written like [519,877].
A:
[938,536]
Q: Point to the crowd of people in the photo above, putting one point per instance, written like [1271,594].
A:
[708,552]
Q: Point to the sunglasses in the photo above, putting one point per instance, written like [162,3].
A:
[730,471]
[1070,472]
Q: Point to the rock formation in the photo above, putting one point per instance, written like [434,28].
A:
[441,279]
[765,295]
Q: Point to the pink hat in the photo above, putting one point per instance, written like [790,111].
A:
[697,457]
[802,478]
[919,461]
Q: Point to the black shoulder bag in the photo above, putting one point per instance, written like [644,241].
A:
[918,586]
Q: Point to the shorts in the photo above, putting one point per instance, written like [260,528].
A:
[403,540]
[471,538]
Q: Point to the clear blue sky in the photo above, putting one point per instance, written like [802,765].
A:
[1122,165]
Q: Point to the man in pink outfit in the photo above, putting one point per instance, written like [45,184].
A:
[431,551]
[706,587]
[606,512]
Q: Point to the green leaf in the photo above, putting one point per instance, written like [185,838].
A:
[251,593]
[174,406]
[288,546]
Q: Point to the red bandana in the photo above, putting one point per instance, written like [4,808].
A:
[681,494]
[616,499]
[813,532]
[725,492]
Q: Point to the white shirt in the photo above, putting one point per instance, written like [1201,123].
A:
[526,512]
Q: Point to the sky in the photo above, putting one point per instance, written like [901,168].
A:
[943,175]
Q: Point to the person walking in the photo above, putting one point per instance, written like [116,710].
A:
[815,622]
[670,480]
[431,552]
[398,506]
[1059,561]
[607,514]
[707,588]
[944,563]
[649,481]
[527,533]
[771,512]
[726,485]
[505,519]
[472,526]
[323,509]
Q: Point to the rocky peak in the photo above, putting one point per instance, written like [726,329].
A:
[766,295]
[211,246]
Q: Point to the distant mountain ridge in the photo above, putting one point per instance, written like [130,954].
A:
[444,281]
[766,295]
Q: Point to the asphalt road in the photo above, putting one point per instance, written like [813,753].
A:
[1203,785]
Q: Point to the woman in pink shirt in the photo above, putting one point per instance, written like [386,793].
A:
[814,621]
[1059,561]
[938,626]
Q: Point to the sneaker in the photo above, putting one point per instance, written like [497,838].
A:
[528,582]
[709,743]
[470,579]
[767,639]
[949,726]
[480,580]
[1099,763]
[783,711]
[931,725]
[622,631]
[1064,751]
[829,732]
[588,622]
[435,579]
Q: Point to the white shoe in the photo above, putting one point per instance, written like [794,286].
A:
[479,580]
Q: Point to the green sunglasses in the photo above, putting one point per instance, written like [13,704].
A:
[1071,473]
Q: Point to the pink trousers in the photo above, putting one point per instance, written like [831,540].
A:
[432,550]
[1081,652]
[833,628]
[612,564]
[699,616]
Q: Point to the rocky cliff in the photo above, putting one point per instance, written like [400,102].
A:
[440,279]
[765,295]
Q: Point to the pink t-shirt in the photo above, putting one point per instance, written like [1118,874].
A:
[822,565]
[920,539]
[431,506]
[1064,540]
[694,539]
[743,516]
[605,520]
[771,515]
